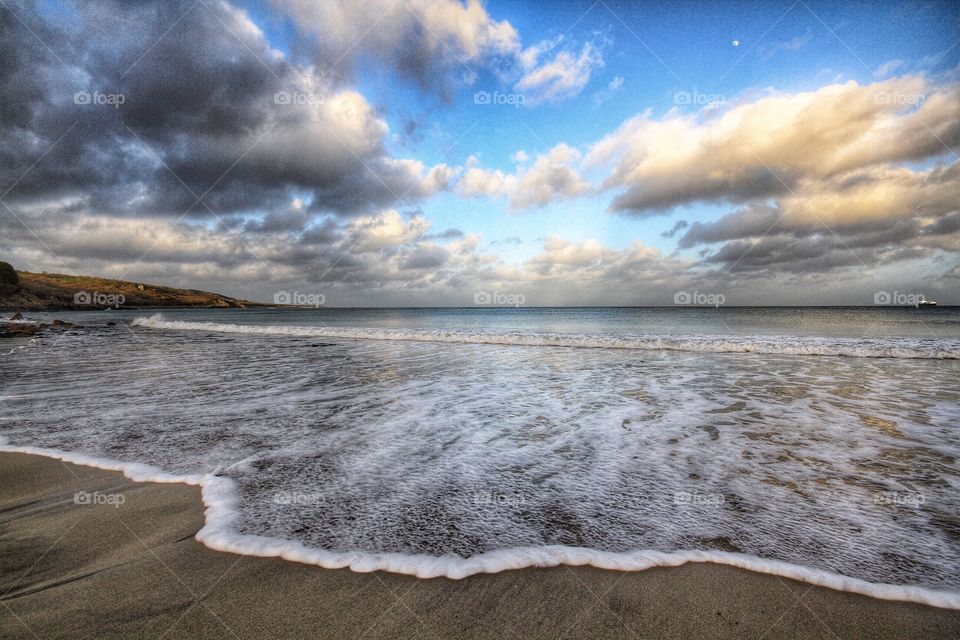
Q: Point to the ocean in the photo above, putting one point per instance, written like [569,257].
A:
[814,443]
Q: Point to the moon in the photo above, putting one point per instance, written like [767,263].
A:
[736,43]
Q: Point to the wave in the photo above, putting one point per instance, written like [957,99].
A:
[783,345]
[221,500]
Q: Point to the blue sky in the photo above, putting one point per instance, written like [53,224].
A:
[746,146]
[657,50]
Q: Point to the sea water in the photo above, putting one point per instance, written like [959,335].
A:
[814,443]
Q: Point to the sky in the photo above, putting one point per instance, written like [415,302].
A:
[452,153]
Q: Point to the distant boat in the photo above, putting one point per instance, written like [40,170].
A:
[923,302]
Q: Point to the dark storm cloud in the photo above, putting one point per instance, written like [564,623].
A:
[818,251]
[948,224]
[141,108]
[326,232]
[659,197]
[426,257]
[747,222]
[278,221]
[868,218]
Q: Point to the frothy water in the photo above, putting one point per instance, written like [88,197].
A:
[452,447]
[854,347]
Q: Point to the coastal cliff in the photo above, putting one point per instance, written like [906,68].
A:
[22,290]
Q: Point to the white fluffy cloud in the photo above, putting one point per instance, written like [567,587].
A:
[556,79]
[875,194]
[387,229]
[552,177]
[767,146]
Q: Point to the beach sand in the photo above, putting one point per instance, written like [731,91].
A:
[134,570]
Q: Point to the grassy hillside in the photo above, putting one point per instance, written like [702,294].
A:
[38,291]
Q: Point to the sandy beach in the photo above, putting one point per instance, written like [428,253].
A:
[130,568]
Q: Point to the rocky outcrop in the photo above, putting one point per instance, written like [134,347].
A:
[8,274]
[16,328]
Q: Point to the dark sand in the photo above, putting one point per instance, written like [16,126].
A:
[135,571]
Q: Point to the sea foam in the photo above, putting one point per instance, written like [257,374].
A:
[220,499]
[449,459]
[785,345]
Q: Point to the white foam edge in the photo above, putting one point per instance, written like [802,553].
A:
[220,499]
[776,345]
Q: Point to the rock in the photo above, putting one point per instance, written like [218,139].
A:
[19,330]
[63,324]
[8,275]
[111,324]
[17,316]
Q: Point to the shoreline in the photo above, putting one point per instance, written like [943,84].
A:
[216,533]
[58,558]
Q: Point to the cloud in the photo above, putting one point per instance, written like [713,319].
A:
[613,87]
[209,110]
[870,198]
[447,234]
[679,226]
[303,185]
[755,220]
[366,255]
[887,68]
[560,252]
[767,51]
[587,271]
[426,257]
[768,146]
[426,40]
[867,218]
[387,229]
[551,178]
[439,44]
[563,76]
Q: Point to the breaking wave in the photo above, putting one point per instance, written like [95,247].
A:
[932,349]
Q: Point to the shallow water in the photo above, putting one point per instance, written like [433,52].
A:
[823,438]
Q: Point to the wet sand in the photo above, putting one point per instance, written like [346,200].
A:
[133,570]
